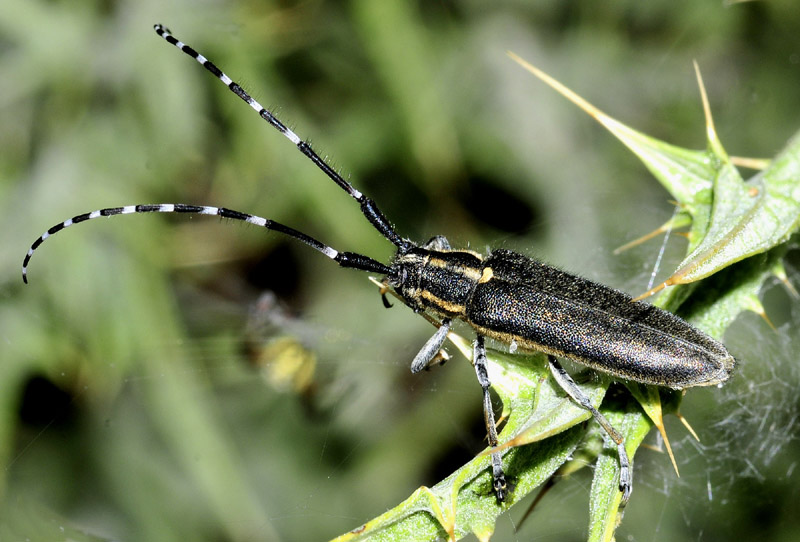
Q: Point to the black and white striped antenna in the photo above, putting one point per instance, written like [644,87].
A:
[345,259]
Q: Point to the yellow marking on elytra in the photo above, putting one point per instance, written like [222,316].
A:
[486,276]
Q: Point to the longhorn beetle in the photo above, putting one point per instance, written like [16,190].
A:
[505,296]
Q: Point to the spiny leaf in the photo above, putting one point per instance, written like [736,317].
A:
[741,219]
[725,295]
[748,218]
[685,173]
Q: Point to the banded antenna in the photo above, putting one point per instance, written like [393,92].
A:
[345,259]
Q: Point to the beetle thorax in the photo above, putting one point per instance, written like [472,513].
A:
[439,281]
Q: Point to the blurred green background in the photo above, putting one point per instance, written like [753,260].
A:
[132,406]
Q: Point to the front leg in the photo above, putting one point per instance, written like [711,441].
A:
[479,361]
[429,350]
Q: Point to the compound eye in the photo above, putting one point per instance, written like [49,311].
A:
[398,277]
[403,276]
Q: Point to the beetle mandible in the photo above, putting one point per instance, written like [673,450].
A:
[504,296]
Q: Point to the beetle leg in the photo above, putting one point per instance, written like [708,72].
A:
[479,361]
[568,385]
[429,350]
